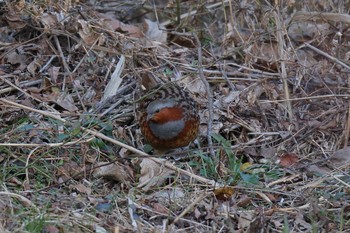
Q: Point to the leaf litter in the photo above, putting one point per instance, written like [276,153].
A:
[279,79]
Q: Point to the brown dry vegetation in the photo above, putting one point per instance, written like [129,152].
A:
[272,82]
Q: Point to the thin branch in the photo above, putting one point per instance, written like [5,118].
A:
[210,95]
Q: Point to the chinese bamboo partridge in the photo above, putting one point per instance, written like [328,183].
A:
[169,117]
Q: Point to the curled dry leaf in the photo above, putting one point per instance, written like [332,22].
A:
[88,36]
[154,31]
[176,194]
[114,171]
[288,159]
[115,25]
[116,79]
[158,207]
[83,189]
[13,18]
[152,174]
[195,86]
[224,194]
[245,219]
[62,99]
[49,20]
[53,72]
[69,170]
[340,157]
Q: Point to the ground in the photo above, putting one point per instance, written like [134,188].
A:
[271,79]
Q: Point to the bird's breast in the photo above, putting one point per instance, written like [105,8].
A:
[167,130]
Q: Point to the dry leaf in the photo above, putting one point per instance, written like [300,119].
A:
[299,220]
[53,72]
[244,201]
[114,171]
[197,213]
[115,25]
[224,194]
[154,31]
[88,35]
[64,100]
[158,207]
[194,86]
[153,174]
[340,157]
[83,189]
[245,219]
[116,79]
[48,20]
[288,159]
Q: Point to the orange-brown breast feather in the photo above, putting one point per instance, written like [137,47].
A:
[167,114]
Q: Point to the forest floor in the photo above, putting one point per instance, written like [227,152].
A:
[271,79]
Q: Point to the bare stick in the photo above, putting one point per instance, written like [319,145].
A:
[282,56]
[210,95]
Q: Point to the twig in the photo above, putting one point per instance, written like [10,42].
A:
[24,200]
[50,145]
[65,65]
[27,164]
[336,60]
[210,95]
[44,67]
[21,85]
[282,56]
[17,88]
[233,88]
[195,202]
[347,129]
[195,12]
[306,98]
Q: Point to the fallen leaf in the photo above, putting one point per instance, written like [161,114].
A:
[154,31]
[83,189]
[245,219]
[158,207]
[152,174]
[114,171]
[299,220]
[53,72]
[197,213]
[244,201]
[224,194]
[87,34]
[62,99]
[115,25]
[288,159]
[340,157]
[51,229]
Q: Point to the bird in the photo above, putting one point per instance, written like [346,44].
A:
[169,117]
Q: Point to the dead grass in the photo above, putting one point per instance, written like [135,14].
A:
[272,85]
